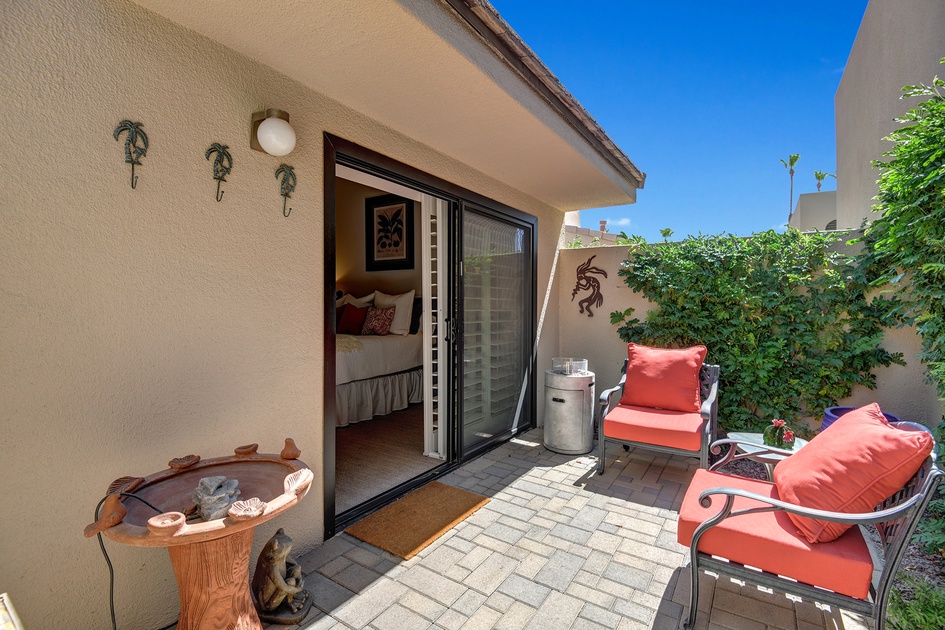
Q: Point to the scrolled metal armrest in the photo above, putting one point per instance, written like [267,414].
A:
[607,393]
[706,410]
[705,500]
[732,453]
[716,448]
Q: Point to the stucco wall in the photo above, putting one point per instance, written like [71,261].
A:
[141,325]
[901,390]
[594,338]
[814,211]
[899,43]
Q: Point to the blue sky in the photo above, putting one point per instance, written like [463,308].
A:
[704,97]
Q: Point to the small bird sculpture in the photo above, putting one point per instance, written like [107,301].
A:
[291,451]
[113,511]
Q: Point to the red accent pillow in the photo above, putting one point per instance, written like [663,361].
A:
[664,378]
[352,320]
[378,320]
[852,466]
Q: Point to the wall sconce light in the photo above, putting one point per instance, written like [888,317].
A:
[272,133]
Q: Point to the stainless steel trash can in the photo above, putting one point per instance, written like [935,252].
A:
[569,407]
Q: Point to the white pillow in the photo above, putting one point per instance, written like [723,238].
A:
[402,312]
[360,302]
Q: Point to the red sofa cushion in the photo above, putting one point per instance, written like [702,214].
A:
[665,378]
[852,466]
[770,541]
[676,429]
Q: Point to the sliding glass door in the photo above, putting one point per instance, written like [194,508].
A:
[497,279]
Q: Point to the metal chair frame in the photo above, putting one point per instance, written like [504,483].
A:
[708,391]
[895,520]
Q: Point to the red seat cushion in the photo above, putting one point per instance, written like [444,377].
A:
[770,540]
[664,378]
[675,429]
[855,464]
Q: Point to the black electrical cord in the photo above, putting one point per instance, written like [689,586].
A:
[111,569]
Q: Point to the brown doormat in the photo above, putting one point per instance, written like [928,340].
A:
[408,525]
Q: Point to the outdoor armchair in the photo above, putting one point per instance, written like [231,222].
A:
[748,529]
[668,402]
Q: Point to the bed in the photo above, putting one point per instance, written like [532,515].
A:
[375,375]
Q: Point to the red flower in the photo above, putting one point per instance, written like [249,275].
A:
[789,436]
[778,423]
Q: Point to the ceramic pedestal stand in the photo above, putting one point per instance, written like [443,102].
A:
[210,558]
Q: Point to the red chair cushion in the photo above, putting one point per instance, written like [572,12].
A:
[664,378]
[770,541]
[675,429]
[852,466]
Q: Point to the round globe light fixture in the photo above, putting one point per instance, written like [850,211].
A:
[272,133]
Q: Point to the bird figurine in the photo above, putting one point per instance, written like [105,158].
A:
[112,513]
[291,451]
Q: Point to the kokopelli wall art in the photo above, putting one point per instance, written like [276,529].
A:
[587,282]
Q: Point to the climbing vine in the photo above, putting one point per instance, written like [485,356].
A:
[784,315]
[906,245]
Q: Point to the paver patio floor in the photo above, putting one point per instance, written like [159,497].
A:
[556,547]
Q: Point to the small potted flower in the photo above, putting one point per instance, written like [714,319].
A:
[779,435]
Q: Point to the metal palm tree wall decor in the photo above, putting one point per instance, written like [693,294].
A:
[136,145]
[222,164]
[286,186]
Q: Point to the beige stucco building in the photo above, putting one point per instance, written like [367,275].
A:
[148,323]
[815,211]
[899,42]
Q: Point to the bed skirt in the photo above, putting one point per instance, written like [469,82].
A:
[362,400]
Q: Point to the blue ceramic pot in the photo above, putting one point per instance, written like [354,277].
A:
[832,413]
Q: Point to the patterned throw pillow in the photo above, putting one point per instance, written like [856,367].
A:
[404,304]
[378,320]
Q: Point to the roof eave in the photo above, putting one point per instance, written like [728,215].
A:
[498,35]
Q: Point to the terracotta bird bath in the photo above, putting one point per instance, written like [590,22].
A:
[210,558]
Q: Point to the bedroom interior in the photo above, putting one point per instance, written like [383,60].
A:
[472,277]
[380,362]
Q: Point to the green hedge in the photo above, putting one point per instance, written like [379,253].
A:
[784,315]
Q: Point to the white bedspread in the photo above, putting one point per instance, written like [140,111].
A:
[379,355]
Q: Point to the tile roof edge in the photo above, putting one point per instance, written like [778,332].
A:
[506,42]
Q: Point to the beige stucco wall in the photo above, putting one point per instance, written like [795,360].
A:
[901,390]
[140,325]
[594,338]
[814,211]
[899,43]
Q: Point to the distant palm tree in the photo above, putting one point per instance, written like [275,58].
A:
[791,161]
[820,176]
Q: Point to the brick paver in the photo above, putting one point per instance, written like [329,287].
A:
[557,547]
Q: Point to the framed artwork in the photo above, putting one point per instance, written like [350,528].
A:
[388,234]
